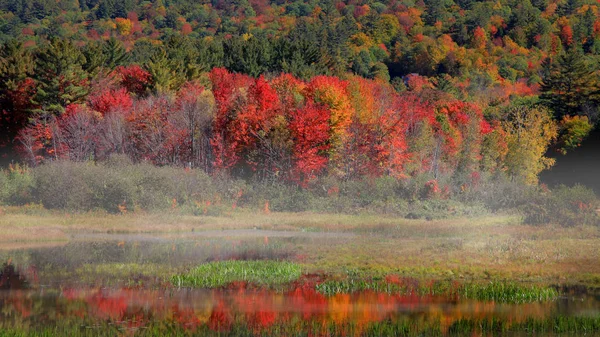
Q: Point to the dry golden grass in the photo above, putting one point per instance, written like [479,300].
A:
[494,247]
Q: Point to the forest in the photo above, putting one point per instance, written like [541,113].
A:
[445,97]
[299,168]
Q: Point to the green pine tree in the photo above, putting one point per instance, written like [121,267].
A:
[60,77]
[568,84]
[114,53]
[167,75]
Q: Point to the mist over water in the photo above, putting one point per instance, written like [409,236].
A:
[123,280]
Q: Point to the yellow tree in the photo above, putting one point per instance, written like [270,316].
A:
[124,26]
[529,132]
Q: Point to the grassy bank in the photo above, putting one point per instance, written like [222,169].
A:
[482,248]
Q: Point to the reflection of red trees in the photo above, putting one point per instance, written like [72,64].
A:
[257,309]
[108,307]
[221,318]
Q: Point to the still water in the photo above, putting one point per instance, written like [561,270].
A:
[118,285]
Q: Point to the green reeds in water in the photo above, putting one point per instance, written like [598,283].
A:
[554,326]
[492,291]
[221,273]
[507,292]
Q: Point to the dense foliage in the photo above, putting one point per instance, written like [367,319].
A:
[452,91]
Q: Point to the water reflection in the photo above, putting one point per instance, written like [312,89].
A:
[48,289]
[260,309]
[10,278]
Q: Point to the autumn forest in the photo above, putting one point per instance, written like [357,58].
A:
[299,168]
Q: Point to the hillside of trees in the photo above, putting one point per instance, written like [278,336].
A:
[291,91]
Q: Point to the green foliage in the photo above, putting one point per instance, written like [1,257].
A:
[496,291]
[60,76]
[16,185]
[218,274]
[167,74]
[507,292]
[16,63]
[572,131]
[565,206]
[408,327]
[569,84]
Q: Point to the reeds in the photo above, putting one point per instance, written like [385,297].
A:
[221,273]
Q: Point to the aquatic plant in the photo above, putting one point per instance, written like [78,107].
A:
[221,273]
[559,325]
[493,291]
[507,292]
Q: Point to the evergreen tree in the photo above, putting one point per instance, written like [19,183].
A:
[114,53]
[15,67]
[60,77]
[167,75]
[94,58]
[568,84]
[181,51]
[250,55]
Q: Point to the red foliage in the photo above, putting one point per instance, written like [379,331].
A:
[254,118]
[596,28]
[227,90]
[155,136]
[27,31]
[188,93]
[223,90]
[310,131]
[21,96]
[111,100]
[566,35]
[361,11]
[479,38]
[35,142]
[417,83]
[186,29]
[135,79]
[288,88]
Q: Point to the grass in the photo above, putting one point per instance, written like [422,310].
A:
[484,248]
[127,274]
[507,292]
[563,326]
[221,273]
[501,292]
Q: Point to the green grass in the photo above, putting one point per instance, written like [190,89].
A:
[507,292]
[497,291]
[221,273]
[554,326]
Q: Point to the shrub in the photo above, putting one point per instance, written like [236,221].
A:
[281,198]
[62,184]
[566,206]
[118,185]
[16,184]
[499,193]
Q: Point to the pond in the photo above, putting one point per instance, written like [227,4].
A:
[112,284]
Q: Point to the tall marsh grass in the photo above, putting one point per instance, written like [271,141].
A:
[221,273]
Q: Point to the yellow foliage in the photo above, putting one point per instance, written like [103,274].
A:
[124,26]
[361,41]
[529,132]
